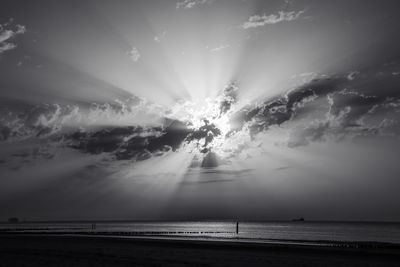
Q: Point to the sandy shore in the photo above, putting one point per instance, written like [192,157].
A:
[76,250]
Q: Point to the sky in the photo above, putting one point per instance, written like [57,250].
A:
[199,110]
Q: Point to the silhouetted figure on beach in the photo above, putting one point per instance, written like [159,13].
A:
[237,227]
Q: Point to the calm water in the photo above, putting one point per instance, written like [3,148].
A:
[309,231]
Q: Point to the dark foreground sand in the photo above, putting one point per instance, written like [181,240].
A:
[59,250]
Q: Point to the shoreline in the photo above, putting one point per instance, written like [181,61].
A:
[203,237]
[353,246]
[199,236]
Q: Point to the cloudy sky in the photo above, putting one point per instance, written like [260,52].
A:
[199,109]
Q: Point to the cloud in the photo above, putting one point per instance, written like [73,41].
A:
[228,98]
[20,121]
[188,4]
[159,38]
[21,29]
[134,54]
[352,75]
[329,109]
[262,20]
[112,128]
[6,34]
[6,47]
[219,48]
[131,142]
[103,129]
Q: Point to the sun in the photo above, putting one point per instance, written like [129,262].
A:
[209,122]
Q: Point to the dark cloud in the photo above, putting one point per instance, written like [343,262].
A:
[4,132]
[73,126]
[228,98]
[173,136]
[281,109]
[132,142]
[89,130]
[334,107]
[8,32]
[21,120]
[207,132]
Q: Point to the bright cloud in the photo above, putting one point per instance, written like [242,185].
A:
[187,4]
[134,54]
[262,20]
[159,38]
[219,48]
[7,34]
[6,46]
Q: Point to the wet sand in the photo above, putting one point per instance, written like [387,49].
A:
[77,250]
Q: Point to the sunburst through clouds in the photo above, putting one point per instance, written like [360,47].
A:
[149,104]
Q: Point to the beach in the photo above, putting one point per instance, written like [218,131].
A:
[23,249]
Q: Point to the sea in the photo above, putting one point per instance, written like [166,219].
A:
[288,231]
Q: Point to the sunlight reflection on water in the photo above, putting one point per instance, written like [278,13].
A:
[309,231]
